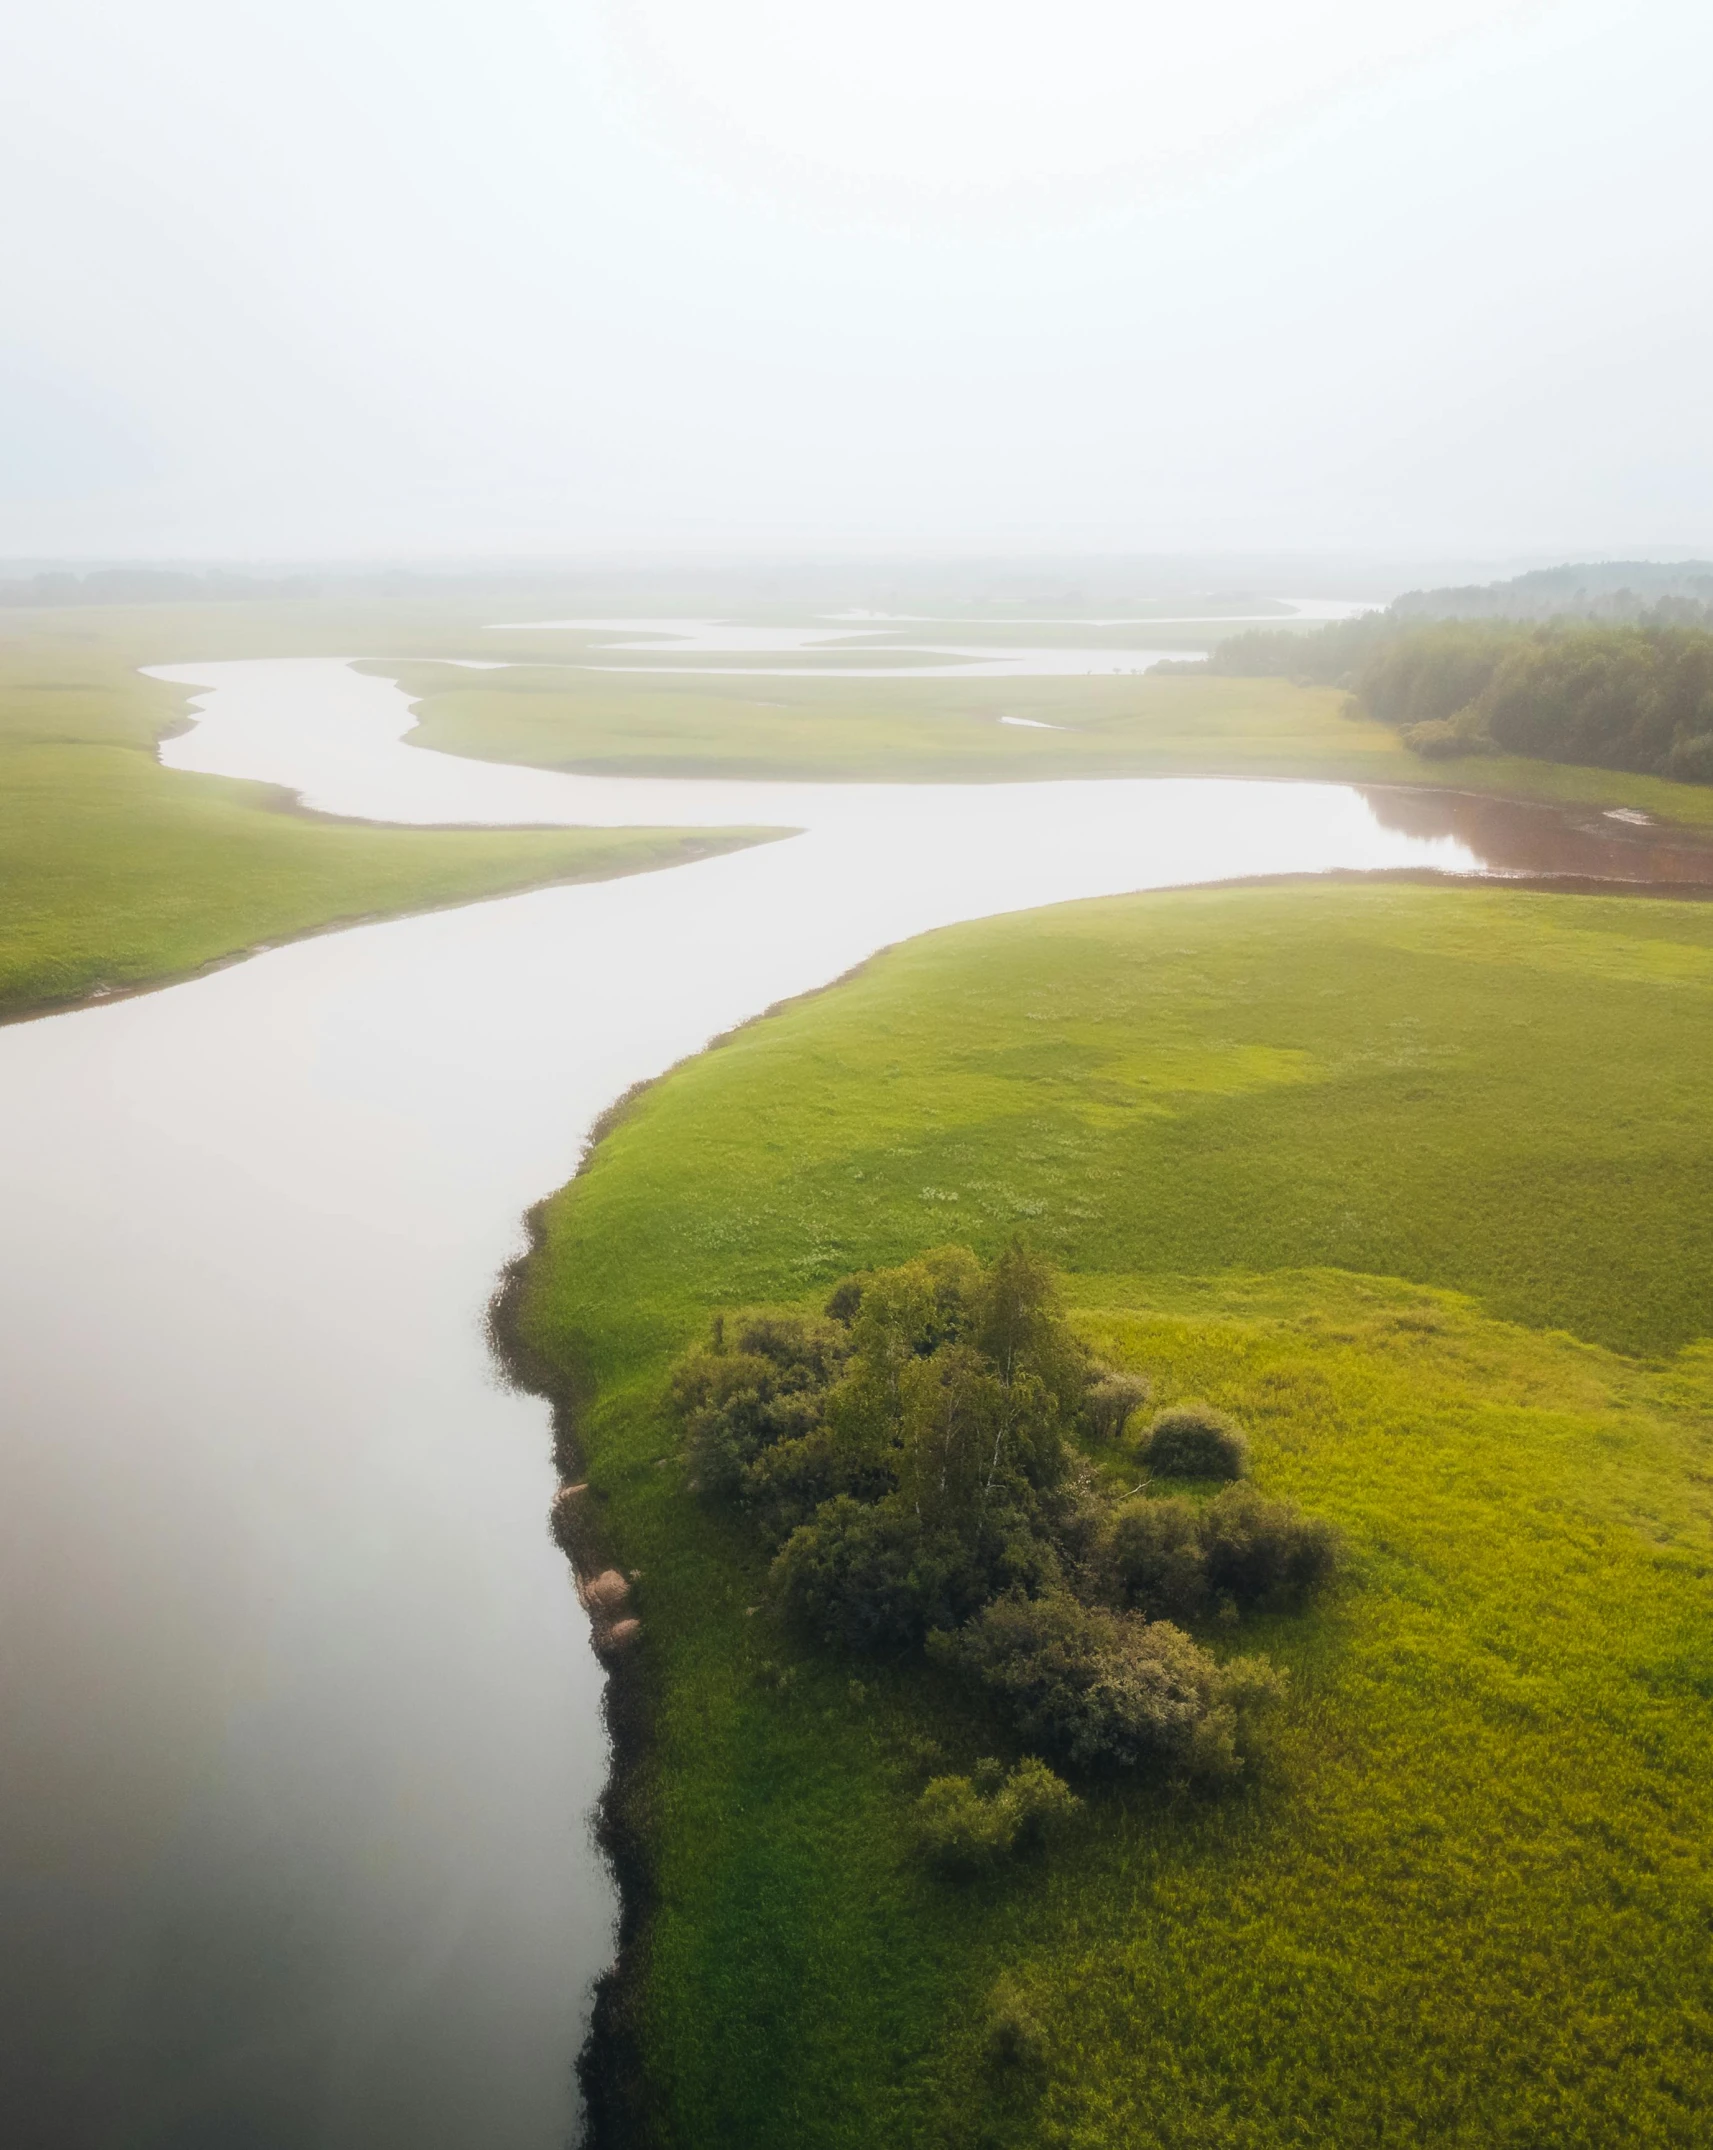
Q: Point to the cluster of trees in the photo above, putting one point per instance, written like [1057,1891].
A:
[1329,656]
[1612,697]
[917,1462]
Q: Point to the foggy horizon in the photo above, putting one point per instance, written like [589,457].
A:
[621,280]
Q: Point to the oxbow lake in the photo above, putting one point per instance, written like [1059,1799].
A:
[302,1724]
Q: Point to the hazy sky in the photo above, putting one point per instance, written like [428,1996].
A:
[429,277]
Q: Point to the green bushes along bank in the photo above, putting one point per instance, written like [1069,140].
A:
[916,1466]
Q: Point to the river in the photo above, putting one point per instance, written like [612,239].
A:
[301,1726]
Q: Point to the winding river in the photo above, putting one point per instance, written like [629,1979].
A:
[302,1724]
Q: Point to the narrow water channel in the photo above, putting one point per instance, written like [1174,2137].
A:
[301,1725]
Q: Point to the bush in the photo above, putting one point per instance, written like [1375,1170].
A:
[845,1301]
[733,1408]
[1262,1552]
[852,1575]
[1169,1560]
[1692,759]
[958,1830]
[1016,2041]
[869,1575]
[1040,1803]
[1102,1687]
[789,1481]
[736,1404]
[1444,738]
[1192,1440]
[965,1826]
[1111,1399]
[1153,1559]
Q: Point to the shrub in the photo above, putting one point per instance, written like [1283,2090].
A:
[1443,738]
[967,1825]
[1153,1559]
[1263,1552]
[1102,1687]
[1192,1440]
[869,1575]
[1016,2041]
[852,1576]
[737,1404]
[1691,759]
[1039,1801]
[1111,1399]
[1169,1560]
[845,1300]
[957,1829]
[807,1354]
[789,1481]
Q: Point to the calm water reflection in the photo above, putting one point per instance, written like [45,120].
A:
[1513,836]
[301,1722]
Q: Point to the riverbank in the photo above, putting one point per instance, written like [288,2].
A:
[117,875]
[1415,1181]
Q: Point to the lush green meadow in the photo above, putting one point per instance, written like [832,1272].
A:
[115,872]
[951,730]
[916,730]
[1417,1182]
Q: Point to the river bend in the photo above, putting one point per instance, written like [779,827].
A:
[302,1722]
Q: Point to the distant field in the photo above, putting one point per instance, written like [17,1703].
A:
[115,872]
[952,730]
[1418,1183]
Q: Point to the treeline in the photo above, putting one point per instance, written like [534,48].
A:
[1648,593]
[924,1464]
[1613,698]
[146,586]
[1630,697]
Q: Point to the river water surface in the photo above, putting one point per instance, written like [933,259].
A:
[301,1726]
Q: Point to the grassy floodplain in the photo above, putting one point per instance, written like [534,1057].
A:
[1417,1182]
[117,873]
[947,730]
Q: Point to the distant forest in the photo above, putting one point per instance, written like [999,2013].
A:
[1647,593]
[1608,665]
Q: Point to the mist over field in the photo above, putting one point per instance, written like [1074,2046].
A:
[572,277]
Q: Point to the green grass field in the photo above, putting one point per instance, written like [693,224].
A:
[950,730]
[115,872]
[1416,1181]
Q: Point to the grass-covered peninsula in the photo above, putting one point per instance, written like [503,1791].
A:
[970,730]
[116,873]
[1413,1184]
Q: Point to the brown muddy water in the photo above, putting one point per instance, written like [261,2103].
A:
[301,1723]
[1528,841]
